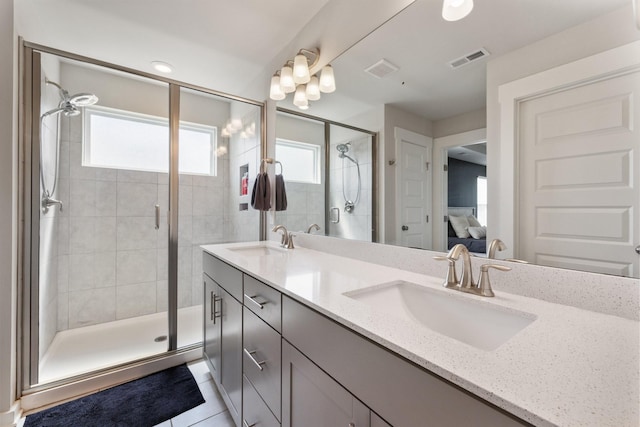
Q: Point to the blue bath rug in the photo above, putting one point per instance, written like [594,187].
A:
[144,402]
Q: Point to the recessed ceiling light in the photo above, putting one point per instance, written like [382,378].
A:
[162,67]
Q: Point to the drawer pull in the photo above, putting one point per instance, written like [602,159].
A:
[215,314]
[253,359]
[253,300]
[246,424]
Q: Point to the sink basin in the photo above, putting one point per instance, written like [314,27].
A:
[484,326]
[257,250]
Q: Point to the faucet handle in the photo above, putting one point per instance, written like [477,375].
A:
[451,281]
[290,241]
[484,284]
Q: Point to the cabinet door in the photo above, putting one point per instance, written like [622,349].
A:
[212,326]
[311,398]
[231,372]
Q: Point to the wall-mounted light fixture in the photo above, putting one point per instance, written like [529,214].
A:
[295,77]
[454,10]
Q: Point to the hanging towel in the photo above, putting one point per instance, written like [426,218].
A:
[281,194]
[261,194]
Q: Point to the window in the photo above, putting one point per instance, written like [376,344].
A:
[300,161]
[482,199]
[126,140]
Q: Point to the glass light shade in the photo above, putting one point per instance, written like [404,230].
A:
[236,124]
[300,69]
[327,81]
[243,134]
[229,128]
[454,10]
[304,107]
[313,89]
[276,93]
[300,97]
[225,133]
[286,79]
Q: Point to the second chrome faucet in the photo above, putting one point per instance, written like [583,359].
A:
[466,283]
[287,237]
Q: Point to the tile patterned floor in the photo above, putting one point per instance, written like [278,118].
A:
[212,413]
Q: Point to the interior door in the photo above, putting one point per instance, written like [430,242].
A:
[580,177]
[413,215]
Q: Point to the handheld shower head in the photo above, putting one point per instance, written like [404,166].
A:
[83,99]
[70,105]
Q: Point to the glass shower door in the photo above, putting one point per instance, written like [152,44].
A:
[102,249]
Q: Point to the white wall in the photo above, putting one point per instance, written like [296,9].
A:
[476,119]
[8,215]
[603,33]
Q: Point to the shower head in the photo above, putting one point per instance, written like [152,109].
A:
[343,149]
[70,105]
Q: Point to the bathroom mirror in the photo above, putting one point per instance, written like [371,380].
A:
[425,87]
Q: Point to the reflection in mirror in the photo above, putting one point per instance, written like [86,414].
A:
[328,171]
[428,96]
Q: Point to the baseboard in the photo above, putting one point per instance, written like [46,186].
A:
[12,416]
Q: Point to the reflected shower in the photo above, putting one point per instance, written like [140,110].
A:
[349,204]
[69,106]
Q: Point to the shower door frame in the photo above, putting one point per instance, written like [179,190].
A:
[29,243]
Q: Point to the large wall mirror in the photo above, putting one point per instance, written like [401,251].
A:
[440,80]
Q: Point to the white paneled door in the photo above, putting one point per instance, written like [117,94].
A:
[579,177]
[413,214]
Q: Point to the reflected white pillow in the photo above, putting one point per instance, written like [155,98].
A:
[477,232]
[473,222]
[460,225]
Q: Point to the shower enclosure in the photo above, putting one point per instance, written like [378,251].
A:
[340,197]
[127,176]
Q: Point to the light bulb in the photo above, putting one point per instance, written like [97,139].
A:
[286,79]
[236,124]
[454,10]
[300,69]
[304,107]
[225,133]
[313,89]
[300,98]
[327,80]
[276,93]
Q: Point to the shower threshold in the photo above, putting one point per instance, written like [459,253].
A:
[86,349]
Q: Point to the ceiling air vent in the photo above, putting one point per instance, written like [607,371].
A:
[468,58]
[381,69]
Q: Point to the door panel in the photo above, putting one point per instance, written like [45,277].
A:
[579,183]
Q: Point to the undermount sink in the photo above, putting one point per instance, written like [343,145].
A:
[257,250]
[477,323]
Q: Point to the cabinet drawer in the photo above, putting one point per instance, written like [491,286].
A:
[264,301]
[224,275]
[262,361]
[255,412]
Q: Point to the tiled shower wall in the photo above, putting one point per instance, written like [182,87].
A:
[112,261]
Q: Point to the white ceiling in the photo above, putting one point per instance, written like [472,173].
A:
[422,44]
[227,45]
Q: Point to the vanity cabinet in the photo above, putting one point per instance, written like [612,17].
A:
[311,398]
[223,332]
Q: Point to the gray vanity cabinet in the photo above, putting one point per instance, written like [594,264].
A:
[312,398]
[223,331]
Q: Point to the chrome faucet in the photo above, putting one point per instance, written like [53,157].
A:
[496,244]
[287,237]
[466,283]
[48,201]
[313,227]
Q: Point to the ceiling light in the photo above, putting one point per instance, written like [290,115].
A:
[162,67]
[236,124]
[313,89]
[454,10]
[327,80]
[300,97]
[301,69]
[286,79]
[276,93]
[304,107]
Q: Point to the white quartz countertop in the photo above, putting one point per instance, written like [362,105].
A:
[569,367]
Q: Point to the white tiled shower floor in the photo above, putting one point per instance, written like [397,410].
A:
[86,349]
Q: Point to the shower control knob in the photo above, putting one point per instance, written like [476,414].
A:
[405,228]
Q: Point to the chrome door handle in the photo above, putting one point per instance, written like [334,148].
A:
[405,228]
[638,249]
[252,299]
[215,314]
[157,217]
[253,359]
[337,217]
